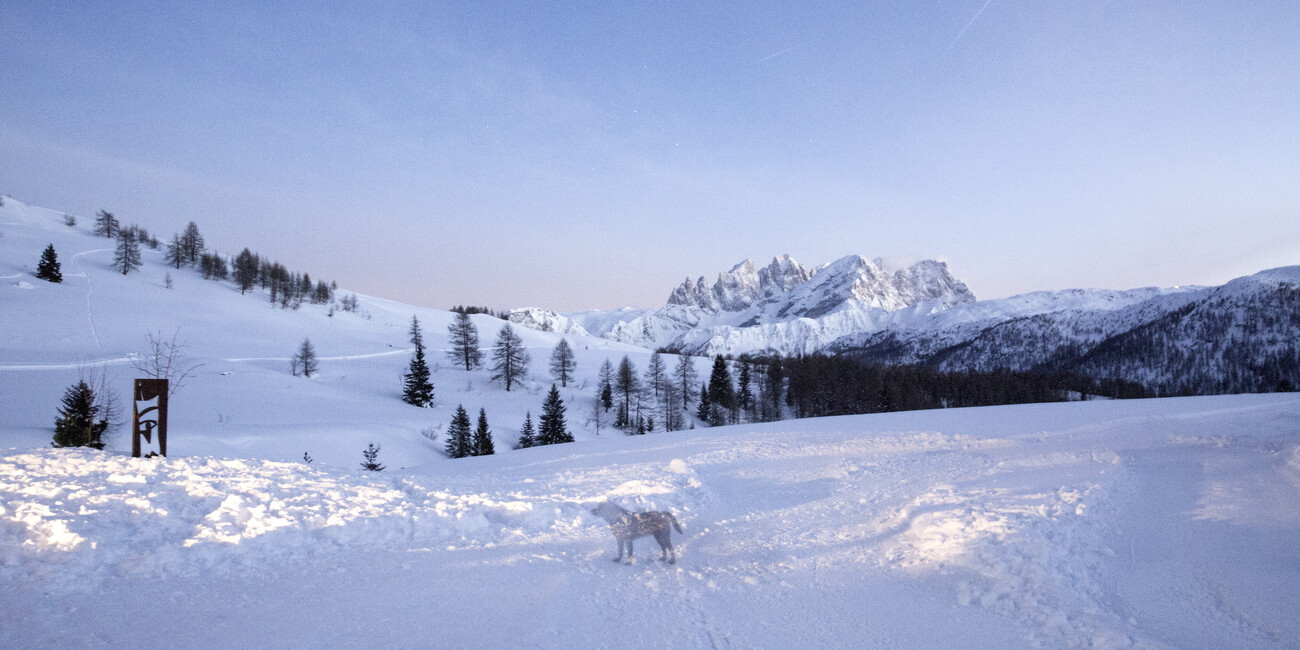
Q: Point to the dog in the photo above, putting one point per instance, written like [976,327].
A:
[628,526]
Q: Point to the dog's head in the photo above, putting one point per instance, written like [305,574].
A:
[607,511]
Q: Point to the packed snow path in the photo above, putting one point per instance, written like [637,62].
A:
[1159,523]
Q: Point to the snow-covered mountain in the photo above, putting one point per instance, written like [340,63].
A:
[784,307]
[1239,337]
[546,321]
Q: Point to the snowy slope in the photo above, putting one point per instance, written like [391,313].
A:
[1157,523]
[1154,524]
[98,318]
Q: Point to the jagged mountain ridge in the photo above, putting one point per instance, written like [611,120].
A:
[1239,337]
[785,307]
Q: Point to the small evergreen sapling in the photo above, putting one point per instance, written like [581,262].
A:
[48,268]
[371,461]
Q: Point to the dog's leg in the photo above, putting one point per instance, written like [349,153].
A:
[629,551]
[620,550]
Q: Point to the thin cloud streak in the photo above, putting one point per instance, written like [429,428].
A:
[968,25]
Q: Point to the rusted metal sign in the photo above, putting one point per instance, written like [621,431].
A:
[149,414]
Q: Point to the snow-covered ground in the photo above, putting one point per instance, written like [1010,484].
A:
[1156,523]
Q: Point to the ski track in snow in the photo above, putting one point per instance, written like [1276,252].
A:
[90,292]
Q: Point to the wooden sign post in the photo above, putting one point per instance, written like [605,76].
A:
[152,417]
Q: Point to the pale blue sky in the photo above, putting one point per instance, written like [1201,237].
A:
[583,155]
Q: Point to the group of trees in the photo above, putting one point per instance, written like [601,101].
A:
[248,270]
[510,358]
[820,385]
[638,399]
[552,429]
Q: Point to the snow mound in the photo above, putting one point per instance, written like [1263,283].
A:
[83,515]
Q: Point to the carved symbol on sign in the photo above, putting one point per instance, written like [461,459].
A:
[151,394]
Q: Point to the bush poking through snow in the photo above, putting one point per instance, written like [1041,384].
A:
[371,462]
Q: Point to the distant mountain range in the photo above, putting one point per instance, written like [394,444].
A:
[1242,336]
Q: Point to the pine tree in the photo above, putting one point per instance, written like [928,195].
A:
[654,374]
[705,407]
[463,336]
[371,455]
[509,358]
[672,410]
[627,385]
[245,270]
[305,360]
[458,436]
[527,435]
[770,395]
[79,423]
[685,376]
[722,394]
[175,255]
[606,376]
[482,443]
[127,256]
[417,387]
[48,268]
[106,224]
[552,429]
[562,363]
[744,395]
[192,244]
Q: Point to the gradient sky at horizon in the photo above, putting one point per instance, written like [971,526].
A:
[592,155]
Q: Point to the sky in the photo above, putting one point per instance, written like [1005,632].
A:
[592,155]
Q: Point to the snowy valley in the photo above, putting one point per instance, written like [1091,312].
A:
[1160,523]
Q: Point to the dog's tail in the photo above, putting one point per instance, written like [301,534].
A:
[676,525]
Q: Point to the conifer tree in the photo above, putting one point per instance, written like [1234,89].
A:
[417,388]
[463,336]
[80,423]
[744,395]
[606,384]
[552,429]
[705,409]
[482,443]
[722,394]
[509,358]
[106,224]
[562,363]
[527,435]
[126,258]
[458,435]
[685,376]
[769,394]
[655,373]
[245,270]
[627,385]
[48,268]
[192,244]
[305,360]
[175,255]
[371,461]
